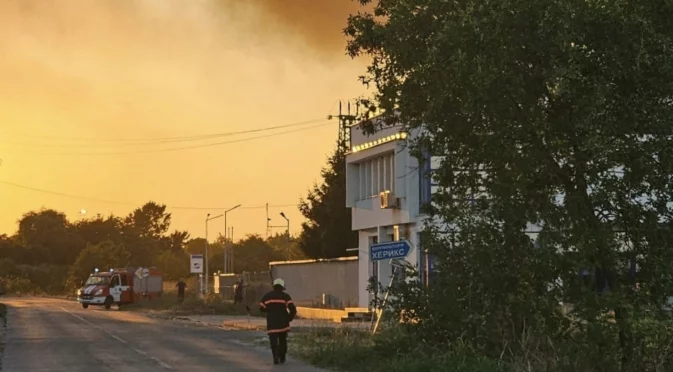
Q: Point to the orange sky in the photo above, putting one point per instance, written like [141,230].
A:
[79,75]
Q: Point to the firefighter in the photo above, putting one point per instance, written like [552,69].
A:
[181,290]
[280,311]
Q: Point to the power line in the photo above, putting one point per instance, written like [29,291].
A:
[184,147]
[142,141]
[103,201]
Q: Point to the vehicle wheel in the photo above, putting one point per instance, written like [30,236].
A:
[108,303]
[85,306]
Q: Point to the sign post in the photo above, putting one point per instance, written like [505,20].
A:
[196,264]
[388,251]
[196,267]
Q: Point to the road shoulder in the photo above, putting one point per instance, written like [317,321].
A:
[3,330]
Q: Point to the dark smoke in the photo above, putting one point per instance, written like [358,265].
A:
[319,23]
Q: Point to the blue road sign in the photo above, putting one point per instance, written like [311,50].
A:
[389,250]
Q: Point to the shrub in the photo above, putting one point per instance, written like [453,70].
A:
[393,349]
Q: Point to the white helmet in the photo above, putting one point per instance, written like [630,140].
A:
[279,282]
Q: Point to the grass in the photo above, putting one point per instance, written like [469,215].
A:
[192,305]
[391,351]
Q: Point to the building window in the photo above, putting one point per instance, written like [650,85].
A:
[377,175]
[425,179]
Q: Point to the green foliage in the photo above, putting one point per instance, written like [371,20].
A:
[102,256]
[287,247]
[150,220]
[254,254]
[18,286]
[175,265]
[556,114]
[327,232]
[393,350]
[47,238]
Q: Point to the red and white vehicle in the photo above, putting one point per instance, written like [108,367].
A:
[120,286]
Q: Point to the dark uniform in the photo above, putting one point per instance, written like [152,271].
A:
[280,311]
[181,290]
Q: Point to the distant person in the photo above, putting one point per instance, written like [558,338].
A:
[181,290]
[280,311]
[238,292]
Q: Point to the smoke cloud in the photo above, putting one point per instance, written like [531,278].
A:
[319,23]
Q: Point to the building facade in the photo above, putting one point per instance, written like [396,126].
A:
[385,190]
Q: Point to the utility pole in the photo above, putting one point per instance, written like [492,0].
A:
[208,218]
[226,232]
[345,122]
[231,250]
[268,220]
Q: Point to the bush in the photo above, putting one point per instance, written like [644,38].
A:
[392,350]
[18,286]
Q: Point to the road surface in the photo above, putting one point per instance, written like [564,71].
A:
[58,335]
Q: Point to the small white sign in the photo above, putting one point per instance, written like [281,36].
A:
[146,273]
[196,263]
[139,273]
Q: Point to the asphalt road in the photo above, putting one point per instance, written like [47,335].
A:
[58,335]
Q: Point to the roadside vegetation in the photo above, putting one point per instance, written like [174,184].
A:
[168,305]
[345,349]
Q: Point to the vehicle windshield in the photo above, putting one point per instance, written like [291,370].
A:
[97,280]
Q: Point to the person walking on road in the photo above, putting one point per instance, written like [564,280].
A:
[181,290]
[280,311]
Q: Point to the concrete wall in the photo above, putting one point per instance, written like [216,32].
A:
[320,283]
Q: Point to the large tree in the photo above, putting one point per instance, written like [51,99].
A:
[555,113]
[47,238]
[144,232]
[327,232]
[253,253]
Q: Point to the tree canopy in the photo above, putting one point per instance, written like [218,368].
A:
[555,114]
[327,232]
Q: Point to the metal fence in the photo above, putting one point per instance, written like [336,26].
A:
[255,285]
[329,283]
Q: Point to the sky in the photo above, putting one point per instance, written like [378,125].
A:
[105,105]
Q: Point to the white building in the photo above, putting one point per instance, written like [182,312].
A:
[385,189]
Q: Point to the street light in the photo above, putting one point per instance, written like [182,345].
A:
[226,241]
[288,223]
[208,218]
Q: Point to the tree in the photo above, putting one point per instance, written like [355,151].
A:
[143,231]
[99,229]
[10,250]
[286,247]
[150,220]
[47,237]
[253,254]
[176,242]
[175,265]
[552,113]
[196,246]
[102,256]
[327,232]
